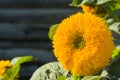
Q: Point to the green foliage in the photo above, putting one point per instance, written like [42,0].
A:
[114,69]
[75,77]
[113,20]
[12,72]
[116,52]
[77,3]
[24,59]
[105,7]
[50,71]
[115,27]
[52,31]
[61,78]
[115,5]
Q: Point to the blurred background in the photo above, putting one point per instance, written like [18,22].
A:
[24,26]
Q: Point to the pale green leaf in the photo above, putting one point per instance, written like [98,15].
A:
[49,71]
[115,27]
[52,31]
[61,78]
[104,73]
[14,60]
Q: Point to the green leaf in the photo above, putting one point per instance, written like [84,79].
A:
[116,52]
[115,5]
[75,77]
[114,69]
[52,31]
[105,7]
[24,59]
[77,3]
[12,72]
[61,78]
[49,71]
[114,16]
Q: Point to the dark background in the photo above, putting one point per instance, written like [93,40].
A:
[24,26]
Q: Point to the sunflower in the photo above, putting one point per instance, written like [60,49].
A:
[83,44]
[89,9]
[3,65]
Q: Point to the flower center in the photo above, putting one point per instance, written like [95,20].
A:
[78,42]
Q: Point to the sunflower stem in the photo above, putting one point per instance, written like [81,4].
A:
[75,77]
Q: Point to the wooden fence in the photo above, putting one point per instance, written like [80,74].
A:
[24,26]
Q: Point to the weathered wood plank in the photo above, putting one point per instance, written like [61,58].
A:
[35,15]
[24,31]
[34,3]
[14,35]
[22,26]
[26,44]
[42,55]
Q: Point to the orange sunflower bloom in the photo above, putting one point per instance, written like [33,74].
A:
[83,44]
[89,9]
